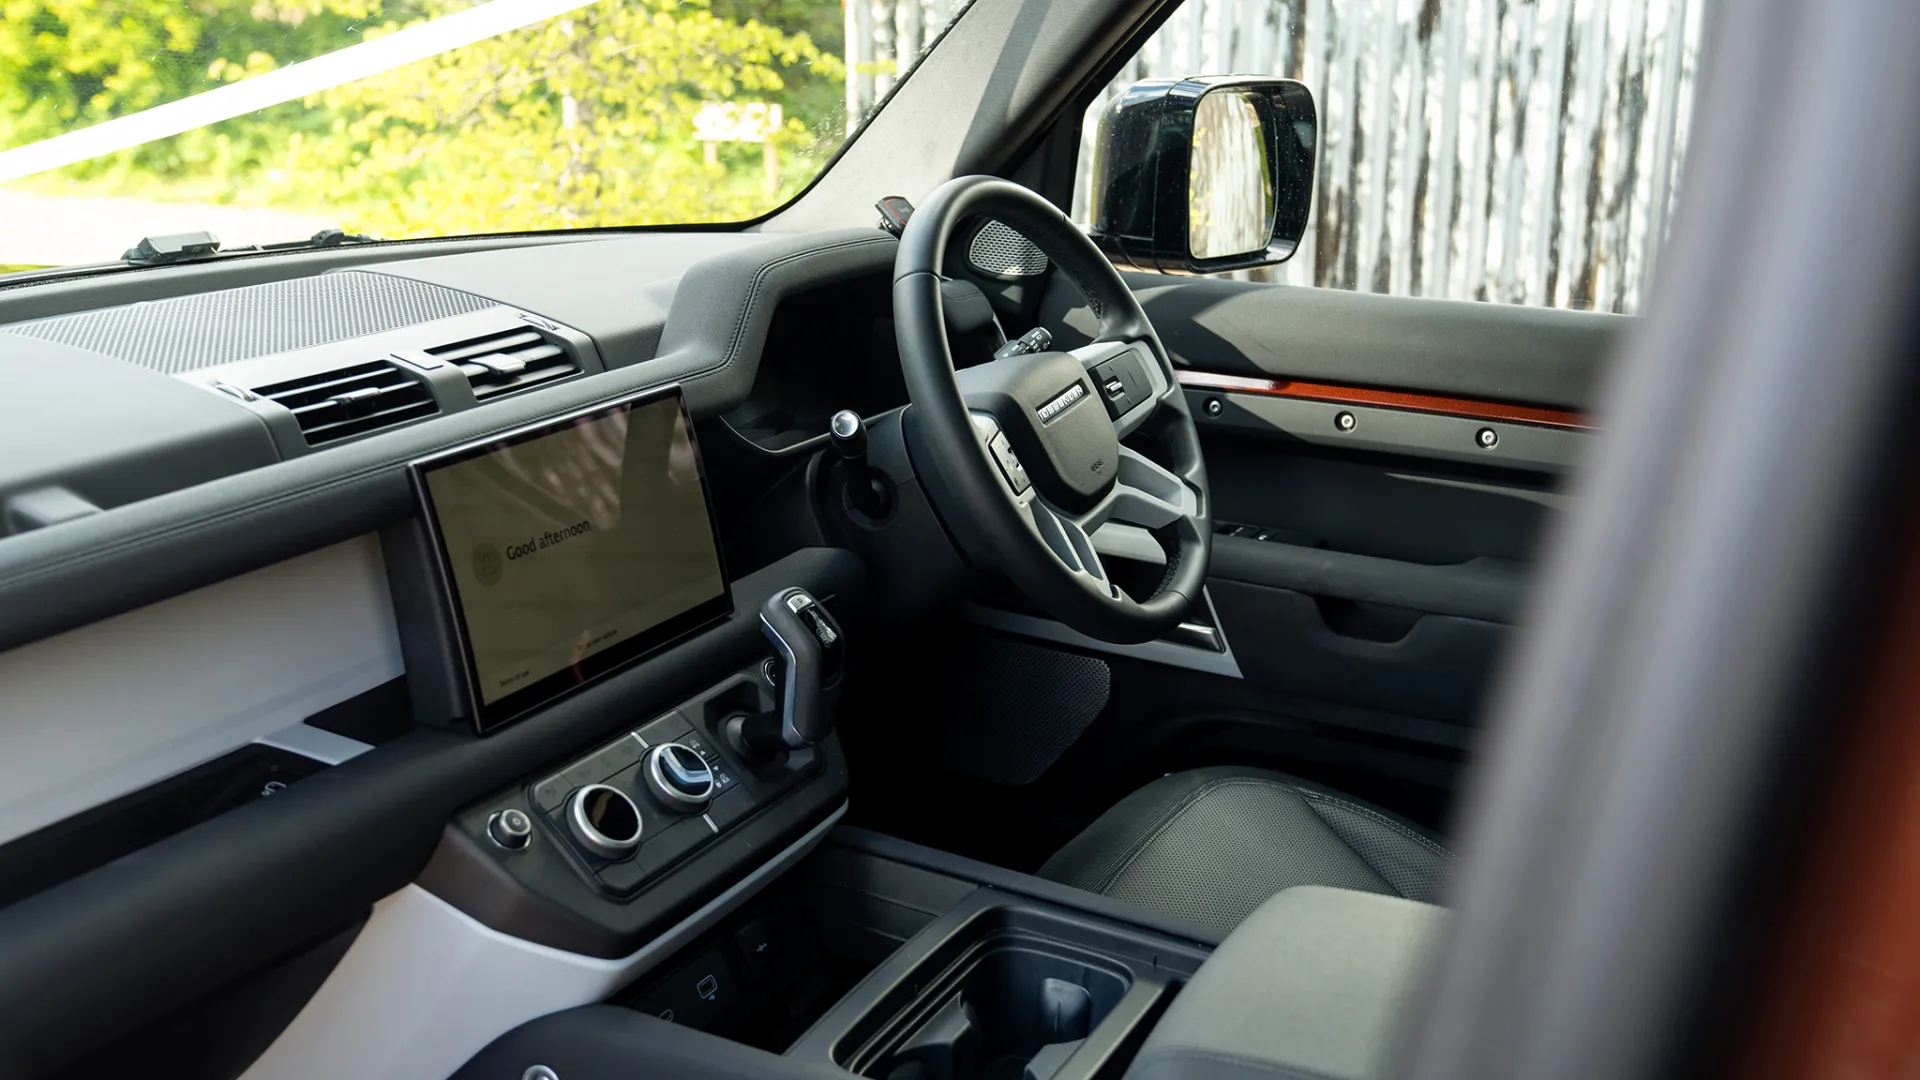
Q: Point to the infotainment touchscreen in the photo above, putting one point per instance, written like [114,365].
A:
[572,547]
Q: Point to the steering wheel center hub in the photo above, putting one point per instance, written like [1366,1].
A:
[1051,414]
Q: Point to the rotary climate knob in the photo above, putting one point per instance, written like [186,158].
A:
[679,776]
[604,820]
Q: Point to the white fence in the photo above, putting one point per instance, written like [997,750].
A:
[1522,151]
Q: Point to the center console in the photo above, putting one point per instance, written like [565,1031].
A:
[588,855]
[552,559]
[880,958]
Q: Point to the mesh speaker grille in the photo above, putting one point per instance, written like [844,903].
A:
[188,333]
[1014,708]
[997,249]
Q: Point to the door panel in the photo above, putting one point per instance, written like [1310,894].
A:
[1368,571]
[1491,352]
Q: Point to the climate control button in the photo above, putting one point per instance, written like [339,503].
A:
[679,777]
[604,820]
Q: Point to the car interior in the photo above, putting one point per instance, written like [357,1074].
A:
[908,636]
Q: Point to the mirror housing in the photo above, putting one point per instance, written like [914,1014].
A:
[1204,175]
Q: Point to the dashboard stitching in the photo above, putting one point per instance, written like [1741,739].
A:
[757,288]
[122,545]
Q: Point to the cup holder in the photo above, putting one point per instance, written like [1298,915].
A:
[1015,1009]
[1005,987]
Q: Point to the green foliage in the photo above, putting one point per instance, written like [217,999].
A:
[583,120]
[65,64]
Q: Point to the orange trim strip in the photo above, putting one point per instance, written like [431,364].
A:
[1391,399]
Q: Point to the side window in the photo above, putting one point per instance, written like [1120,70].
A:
[1517,151]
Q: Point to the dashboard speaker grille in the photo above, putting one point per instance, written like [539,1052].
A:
[188,333]
[996,249]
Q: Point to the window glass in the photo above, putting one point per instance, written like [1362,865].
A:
[1504,150]
[267,120]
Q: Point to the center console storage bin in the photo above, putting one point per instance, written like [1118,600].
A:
[1004,988]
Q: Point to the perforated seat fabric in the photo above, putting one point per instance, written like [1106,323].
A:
[1211,845]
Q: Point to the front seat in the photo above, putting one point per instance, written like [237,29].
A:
[1211,845]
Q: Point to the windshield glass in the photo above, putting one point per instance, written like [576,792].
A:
[264,121]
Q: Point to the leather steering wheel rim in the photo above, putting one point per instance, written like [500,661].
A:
[1031,537]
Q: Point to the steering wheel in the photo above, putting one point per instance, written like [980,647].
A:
[1027,457]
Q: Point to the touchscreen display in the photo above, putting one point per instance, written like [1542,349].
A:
[572,547]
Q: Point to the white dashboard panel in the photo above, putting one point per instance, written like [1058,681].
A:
[94,713]
[424,986]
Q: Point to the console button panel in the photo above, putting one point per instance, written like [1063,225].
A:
[670,830]
[551,889]
[675,772]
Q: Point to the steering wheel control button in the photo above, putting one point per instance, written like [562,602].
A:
[604,820]
[1117,387]
[1009,463]
[679,777]
[510,828]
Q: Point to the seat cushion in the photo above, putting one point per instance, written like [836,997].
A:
[1211,845]
[1315,984]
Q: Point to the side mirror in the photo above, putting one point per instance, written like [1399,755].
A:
[1204,175]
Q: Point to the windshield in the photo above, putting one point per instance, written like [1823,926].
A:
[265,121]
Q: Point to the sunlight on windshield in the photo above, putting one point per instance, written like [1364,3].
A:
[267,120]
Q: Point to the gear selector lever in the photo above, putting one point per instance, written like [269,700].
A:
[811,649]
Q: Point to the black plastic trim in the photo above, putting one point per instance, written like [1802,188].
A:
[606,1042]
[1483,588]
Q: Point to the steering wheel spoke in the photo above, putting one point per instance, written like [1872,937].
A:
[1070,545]
[1143,494]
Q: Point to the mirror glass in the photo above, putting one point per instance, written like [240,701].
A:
[1229,180]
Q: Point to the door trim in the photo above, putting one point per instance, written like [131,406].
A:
[1393,399]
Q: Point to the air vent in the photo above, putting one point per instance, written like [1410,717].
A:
[335,405]
[510,360]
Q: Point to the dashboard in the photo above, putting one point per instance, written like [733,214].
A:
[222,692]
[166,446]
